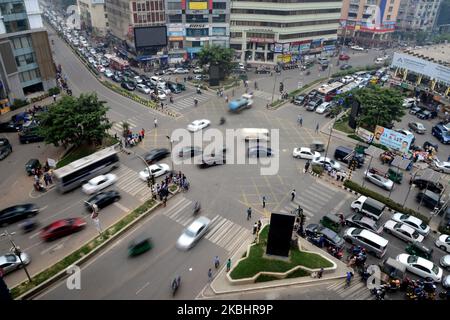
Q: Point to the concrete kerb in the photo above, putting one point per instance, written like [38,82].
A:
[60,275]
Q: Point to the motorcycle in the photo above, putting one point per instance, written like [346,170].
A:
[222,121]
[29,225]
[39,187]
[335,252]
[379,292]
[199,91]
[175,285]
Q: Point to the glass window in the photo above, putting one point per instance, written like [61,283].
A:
[175,18]
[219,18]
[199,18]
[196,32]
[219,31]
[219,5]
[196,44]
[174,5]
[390,9]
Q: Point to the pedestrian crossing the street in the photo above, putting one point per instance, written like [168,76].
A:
[187,101]
[129,182]
[118,128]
[265,95]
[356,291]
[311,200]
[222,232]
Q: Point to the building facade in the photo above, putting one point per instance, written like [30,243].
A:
[26,62]
[273,31]
[93,16]
[417,14]
[369,22]
[193,24]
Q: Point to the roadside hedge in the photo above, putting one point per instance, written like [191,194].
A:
[354,136]
[18,103]
[355,69]
[317,169]
[387,201]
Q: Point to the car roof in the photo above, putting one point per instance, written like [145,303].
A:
[199,222]
[97,179]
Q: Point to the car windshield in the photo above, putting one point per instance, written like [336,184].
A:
[412,259]
[435,269]
[189,233]
[415,234]
[423,225]
[10,258]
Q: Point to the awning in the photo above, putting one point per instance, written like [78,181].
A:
[401,163]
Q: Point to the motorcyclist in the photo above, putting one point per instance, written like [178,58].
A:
[195,102]
[176,283]
[222,120]
[198,90]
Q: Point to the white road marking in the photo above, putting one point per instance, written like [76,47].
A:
[145,286]
[55,247]
[121,207]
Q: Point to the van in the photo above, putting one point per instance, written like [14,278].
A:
[368,206]
[255,134]
[372,242]
[344,154]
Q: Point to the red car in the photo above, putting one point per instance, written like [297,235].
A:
[61,228]
[343,56]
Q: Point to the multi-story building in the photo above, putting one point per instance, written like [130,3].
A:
[369,22]
[272,31]
[417,14]
[93,16]
[26,63]
[193,24]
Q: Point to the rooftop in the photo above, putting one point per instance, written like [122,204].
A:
[437,53]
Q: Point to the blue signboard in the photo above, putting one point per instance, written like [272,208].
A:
[393,139]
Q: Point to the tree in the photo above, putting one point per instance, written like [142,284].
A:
[73,120]
[217,55]
[379,106]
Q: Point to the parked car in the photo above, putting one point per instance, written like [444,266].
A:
[402,231]
[410,102]
[10,126]
[443,242]
[305,153]
[322,108]
[345,66]
[156,170]
[413,222]
[198,70]
[417,127]
[299,100]
[156,155]
[102,199]
[429,199]
[313,104]
[420,266]
[259,152]
[61,228]
[5,148]
[423,182]
[193,233]
[360,221]
[379,180]
[326,161]
[330,237]
[444,262]
[441,166]
[347,79]
[99,183]
[143,88]
[344,57]
[262,70]
[109,73]
[10,262]
[441,133]
[415,110]
[426,114]
[128,86]
[18,212]
[197,125]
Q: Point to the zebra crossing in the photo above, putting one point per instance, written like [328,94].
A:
[311,200]
[265,95]
[129,182]
[187,101]
[222,232]
[356,291]
[118,128]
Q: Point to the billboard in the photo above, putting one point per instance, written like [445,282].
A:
[150,37]
[198,5]
[421,66]
[392,139]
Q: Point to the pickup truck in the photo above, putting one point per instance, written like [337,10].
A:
[369,207]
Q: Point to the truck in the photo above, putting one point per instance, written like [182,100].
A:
[368,206]
[244,102]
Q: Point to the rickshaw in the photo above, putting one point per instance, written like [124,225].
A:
[417,249]
[332,222]
[139,245]
[317,146]
[387,157]
[394,175]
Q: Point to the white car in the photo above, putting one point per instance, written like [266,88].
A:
[101,68]
[402,231]
[181,71]
[155,169]
[357,48]
[413,222]
[323,107]
[442,166]
[10,262]
[92,51]
[163,88]
[198,70]
[305,153]
[197,125]
[347,79]
[323,161]
[91,60]
[138,79]
[379,180]
[409,102]
[99,183]
[162,95]
[420,266]
[443,242]
[194,232]
[108,73]
[143,88]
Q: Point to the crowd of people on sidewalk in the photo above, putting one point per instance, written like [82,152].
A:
[42,174]
[131,139]
[61,82]
[162,190]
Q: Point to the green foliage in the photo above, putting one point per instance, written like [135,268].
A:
[76,121]
[18,103]
[54,90]
[342,125]
[387,201]
[317,169]
[354,69]
[217,55]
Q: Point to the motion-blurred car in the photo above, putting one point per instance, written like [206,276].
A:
[156,170]
[305,153]
[99,183]
[259,152]
[344,57]
[345,66]
[193,233]
[181,71]
[190,151]
[420,266]
[61,228]
[379,180]
[156,155]
[102,199]
[197,125]
[402,231]
[10,262]
[213,160]
[18,212]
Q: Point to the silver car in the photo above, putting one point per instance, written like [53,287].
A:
[379,180]
[194,232]
[10,262]
[445,262]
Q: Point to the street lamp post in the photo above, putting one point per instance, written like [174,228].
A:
[16,250]
[171,155]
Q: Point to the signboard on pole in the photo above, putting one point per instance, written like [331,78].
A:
[392,139]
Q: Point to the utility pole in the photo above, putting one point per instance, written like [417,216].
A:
[171,155]
[16,250]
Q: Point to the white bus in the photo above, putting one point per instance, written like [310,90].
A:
[330,88]
[80,171]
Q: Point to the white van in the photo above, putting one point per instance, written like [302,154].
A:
[255,134]
[372,242]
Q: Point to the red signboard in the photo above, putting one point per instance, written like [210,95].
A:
[183,4]
[210,4]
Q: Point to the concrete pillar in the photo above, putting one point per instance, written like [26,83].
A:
[447,92]
[405,75]
[266,48]
[395,72]
[433,84]
[419,80]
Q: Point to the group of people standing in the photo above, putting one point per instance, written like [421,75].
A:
[42,174]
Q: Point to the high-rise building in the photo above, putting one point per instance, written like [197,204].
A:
[417,14]
[193,24]
[26,63]
[93,16]
[272,31]
[369,22]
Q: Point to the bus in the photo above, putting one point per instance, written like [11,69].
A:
[239,104]
[118,64]
[329,91]
[82,170]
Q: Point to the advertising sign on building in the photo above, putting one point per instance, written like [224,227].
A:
[286,47]
[392,139]
[304,47]
[278,48]
[198,5]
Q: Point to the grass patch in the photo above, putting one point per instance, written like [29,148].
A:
[342,125]
[75,154]
[255,262]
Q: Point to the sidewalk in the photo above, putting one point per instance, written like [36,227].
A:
[45,102]
[221,284]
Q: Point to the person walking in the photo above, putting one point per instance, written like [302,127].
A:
[228,264]
[255,228]
[259,226]
[143,133]
[307,166]
[155,122]
[216,262]
[320,273]
[264,201]
[54,98]
[293,193]
[249,213]
[300,120]
[317,128]
[209,275]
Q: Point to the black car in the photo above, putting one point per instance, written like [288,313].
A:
[32,164]
[159,72]
[329,236]
[116,78]
[17,213]
[190,151]
[345,66]
[428,144]
[429,199]
[426,114]
[128,86]
[30,135]
[422,183]
[156,155]
[5,148]
[102,199]
[259,152]
[9,126]
[262,70]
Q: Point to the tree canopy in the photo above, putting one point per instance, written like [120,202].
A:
[73,120]
[217,55]
[379,106]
